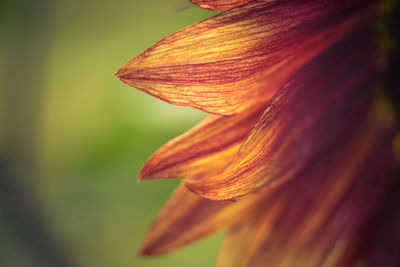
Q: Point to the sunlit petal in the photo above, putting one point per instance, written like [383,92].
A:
[187,217]
[210,145]
[219,5]
[184,219]
[317,109]
[230,62]
[314,220]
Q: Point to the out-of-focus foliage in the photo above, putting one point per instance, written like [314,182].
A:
[73,137]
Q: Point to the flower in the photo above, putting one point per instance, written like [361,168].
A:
[297,160]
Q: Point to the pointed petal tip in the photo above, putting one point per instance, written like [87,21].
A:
[120,72]
[142,173]
[126,68]
[147,172]
[154,247]
[143,252]
[147,250]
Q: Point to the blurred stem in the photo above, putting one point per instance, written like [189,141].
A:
[28,25]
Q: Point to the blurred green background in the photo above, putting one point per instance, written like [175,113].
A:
[73,137]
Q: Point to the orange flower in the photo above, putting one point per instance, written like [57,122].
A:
[300,138]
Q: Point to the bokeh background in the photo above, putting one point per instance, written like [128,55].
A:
[73,137]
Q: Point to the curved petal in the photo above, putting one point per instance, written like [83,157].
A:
[219,5]
[313,221]
[209,145]
[184,219]
[308,202]
[187,217]
[241,57]
[317,109]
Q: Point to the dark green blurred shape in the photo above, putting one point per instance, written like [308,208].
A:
[73,137]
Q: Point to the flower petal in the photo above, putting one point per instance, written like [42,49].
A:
[219,5]
[184,219]
[313,221]
[244,239]
[383,239]
[314,111]
[209,145]
[241,57]
[187,217]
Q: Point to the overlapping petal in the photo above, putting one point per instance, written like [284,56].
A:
[187,217]
[241,57]
[219,5]
[333,180]
[298,139]
[315,110]
[210,145]
[184,219]
[315,220]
